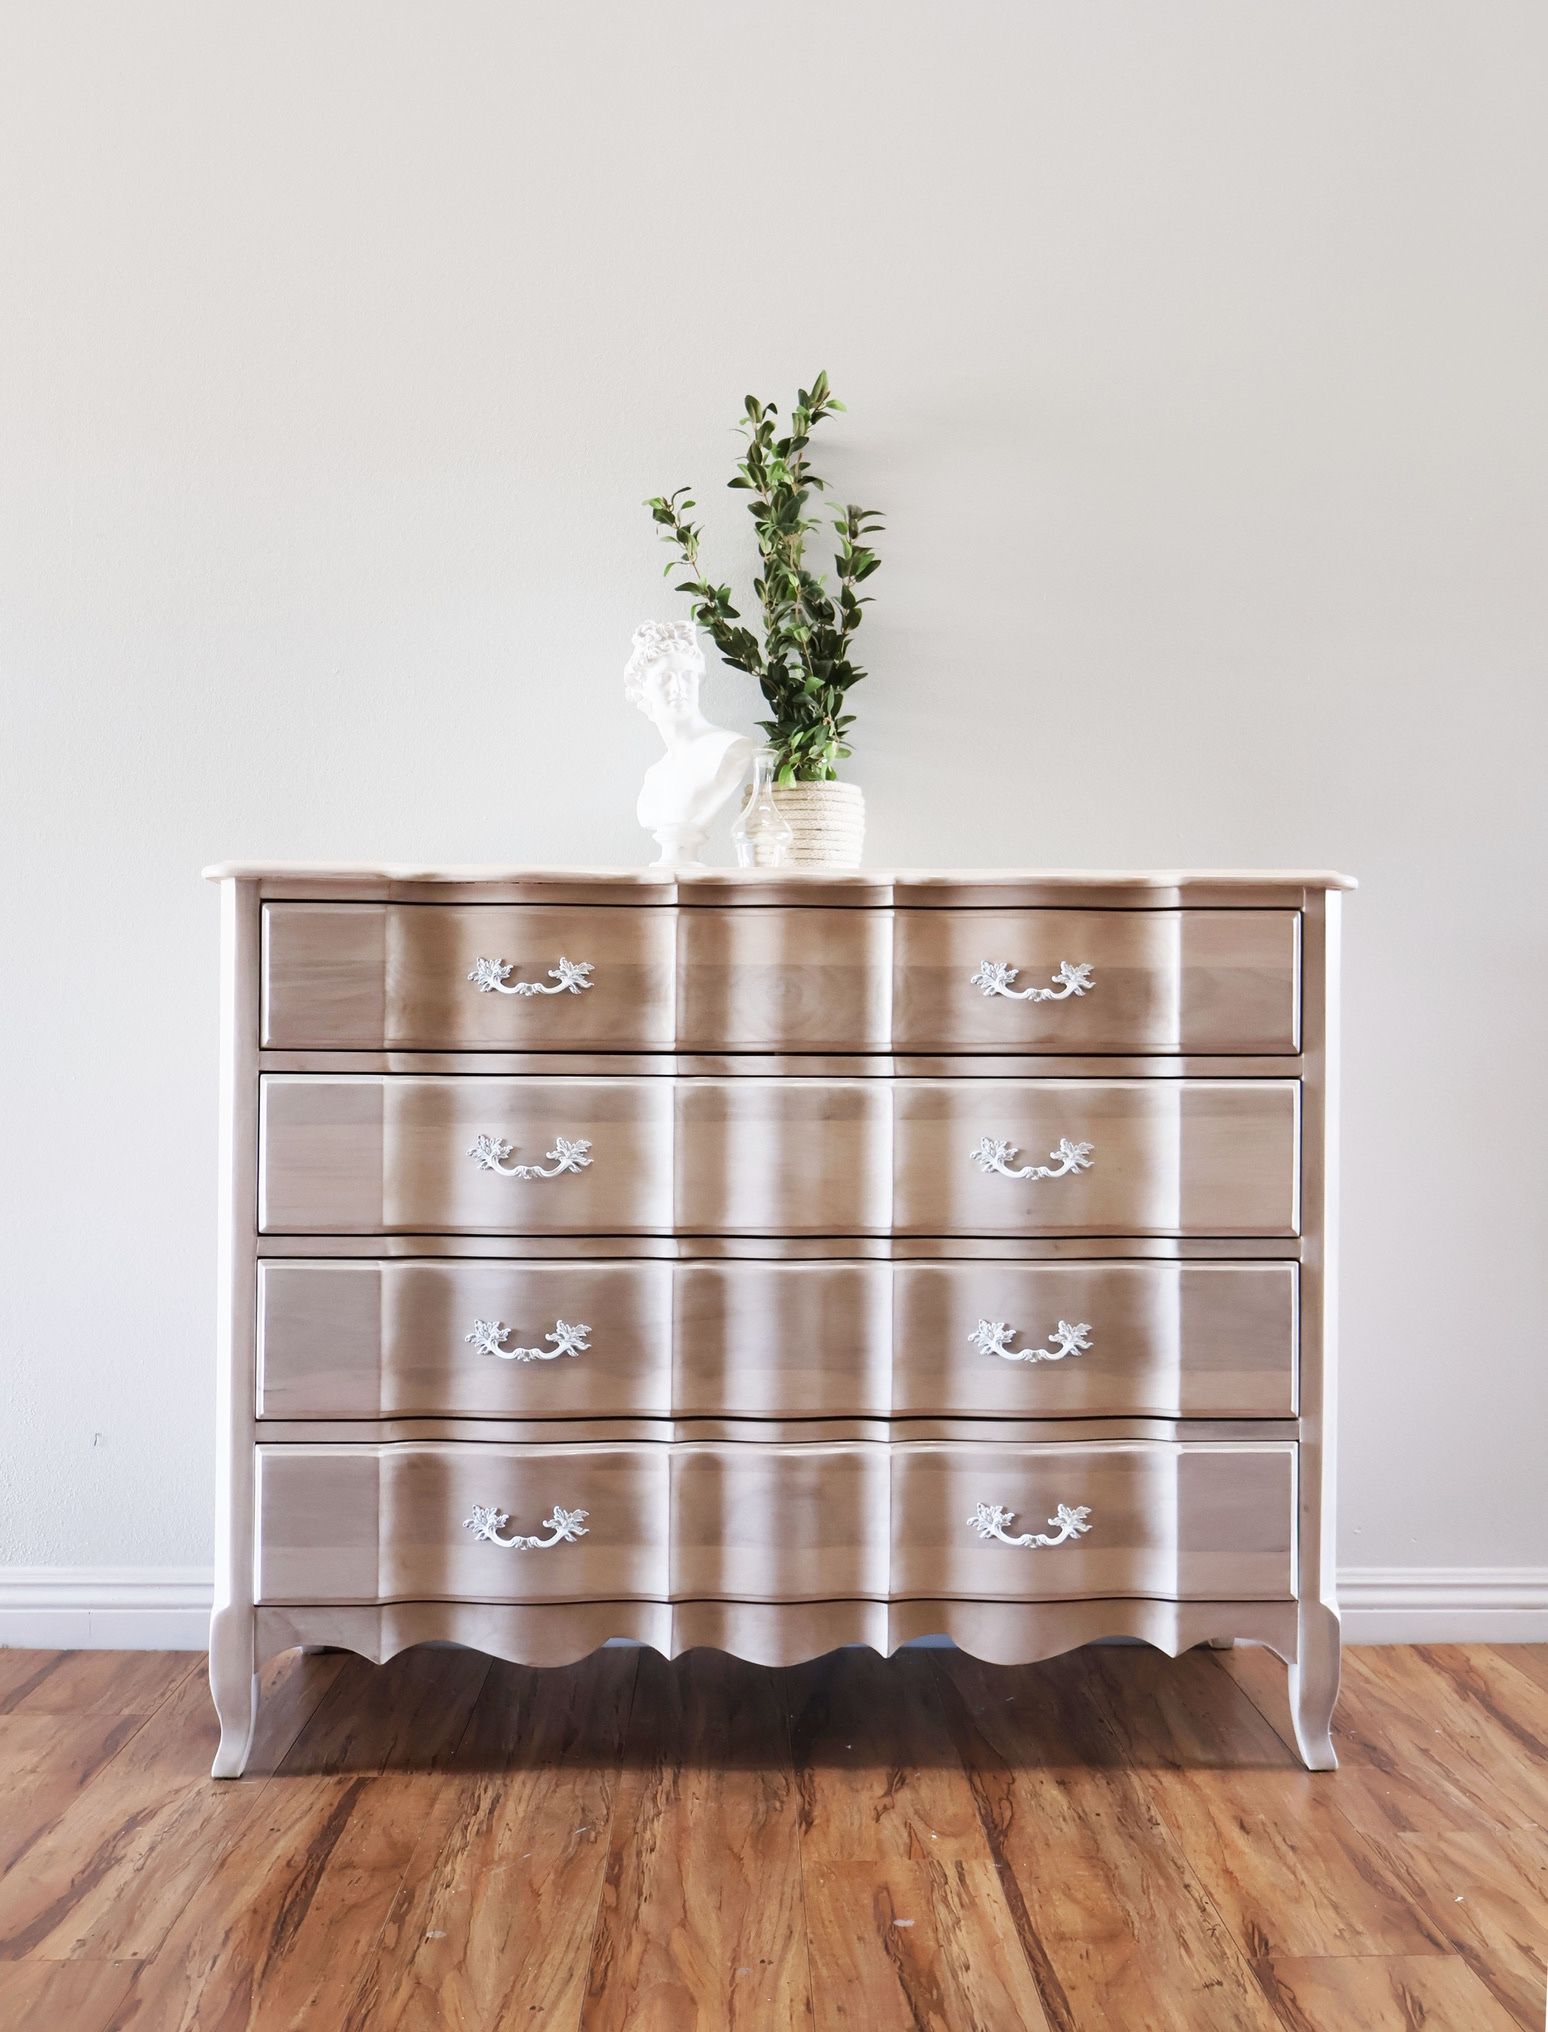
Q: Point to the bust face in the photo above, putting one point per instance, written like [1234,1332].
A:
[669,684]
[662,675]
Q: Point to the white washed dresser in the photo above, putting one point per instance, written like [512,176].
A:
[775,1262]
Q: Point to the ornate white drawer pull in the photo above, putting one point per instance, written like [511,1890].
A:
[989,1521]
[994,977]
[569,977]
[994,1155]
[565,1525]
[492,1151]
[489,1334]
[994,1337]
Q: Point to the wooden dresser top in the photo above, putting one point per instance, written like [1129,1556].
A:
[873,888]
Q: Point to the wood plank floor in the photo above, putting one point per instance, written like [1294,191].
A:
[448,1844]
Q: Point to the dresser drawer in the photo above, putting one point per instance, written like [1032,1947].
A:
[779,1523]
[1096,1157]
[368,1155]
[464,1339]
[547,977]
[1097,980]
[389,1523]
[1049,1340]
[467,977]
[1181,1522]
[427,1156]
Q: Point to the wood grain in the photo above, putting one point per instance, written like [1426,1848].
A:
[1204,1340]
[1376,1992]
[784,980]
[701,1923]
[1168,1157]
[391,1340]
[810,888]
[493,1922]
[358,975]
[45,1759]
[1167,1715]
[737,1520]
[1177,1521]
[779,1523]
[1106,1841]
[390,1523]
[1115,1924]
[925,1943]
[866,1735]
[74,1996]
[1191,980]
[1532,1661]
[91,1682]
[1285,1869]
[343,975]
[770,1340]
[1486,1894]
[384,1156]
[373,1155]
[1408,1776]
[106,1880]
[276,1930]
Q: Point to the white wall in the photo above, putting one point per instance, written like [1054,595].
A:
[1197,355]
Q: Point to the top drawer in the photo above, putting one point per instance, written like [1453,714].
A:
[545,977]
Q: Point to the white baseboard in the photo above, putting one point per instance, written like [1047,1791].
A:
[1444,1604]
[106,1608]
[167,1608]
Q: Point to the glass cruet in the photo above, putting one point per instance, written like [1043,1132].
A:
[761,833]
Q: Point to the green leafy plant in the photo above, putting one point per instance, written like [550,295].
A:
[804,663]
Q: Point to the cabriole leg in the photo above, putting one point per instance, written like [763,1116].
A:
[234,1685]
[1314,1687]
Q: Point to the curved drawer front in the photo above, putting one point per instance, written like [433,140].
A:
[1182,1522]
[783,1157]
[429,1156]
[1105,1157]
[367,1155]
[779,1523]
[746,1522]
[784,980]
[469,1339]
[782,1340]
[548,977]
[391,1523]
[1045,1340]
[1097,980]
[369,976]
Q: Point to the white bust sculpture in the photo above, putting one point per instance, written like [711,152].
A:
[703,763]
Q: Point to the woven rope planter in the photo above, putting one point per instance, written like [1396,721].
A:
[827,821]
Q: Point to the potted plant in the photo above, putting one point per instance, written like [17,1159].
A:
[804,660]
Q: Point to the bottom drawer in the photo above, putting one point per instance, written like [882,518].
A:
[1061,1521]
[1190,1521]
